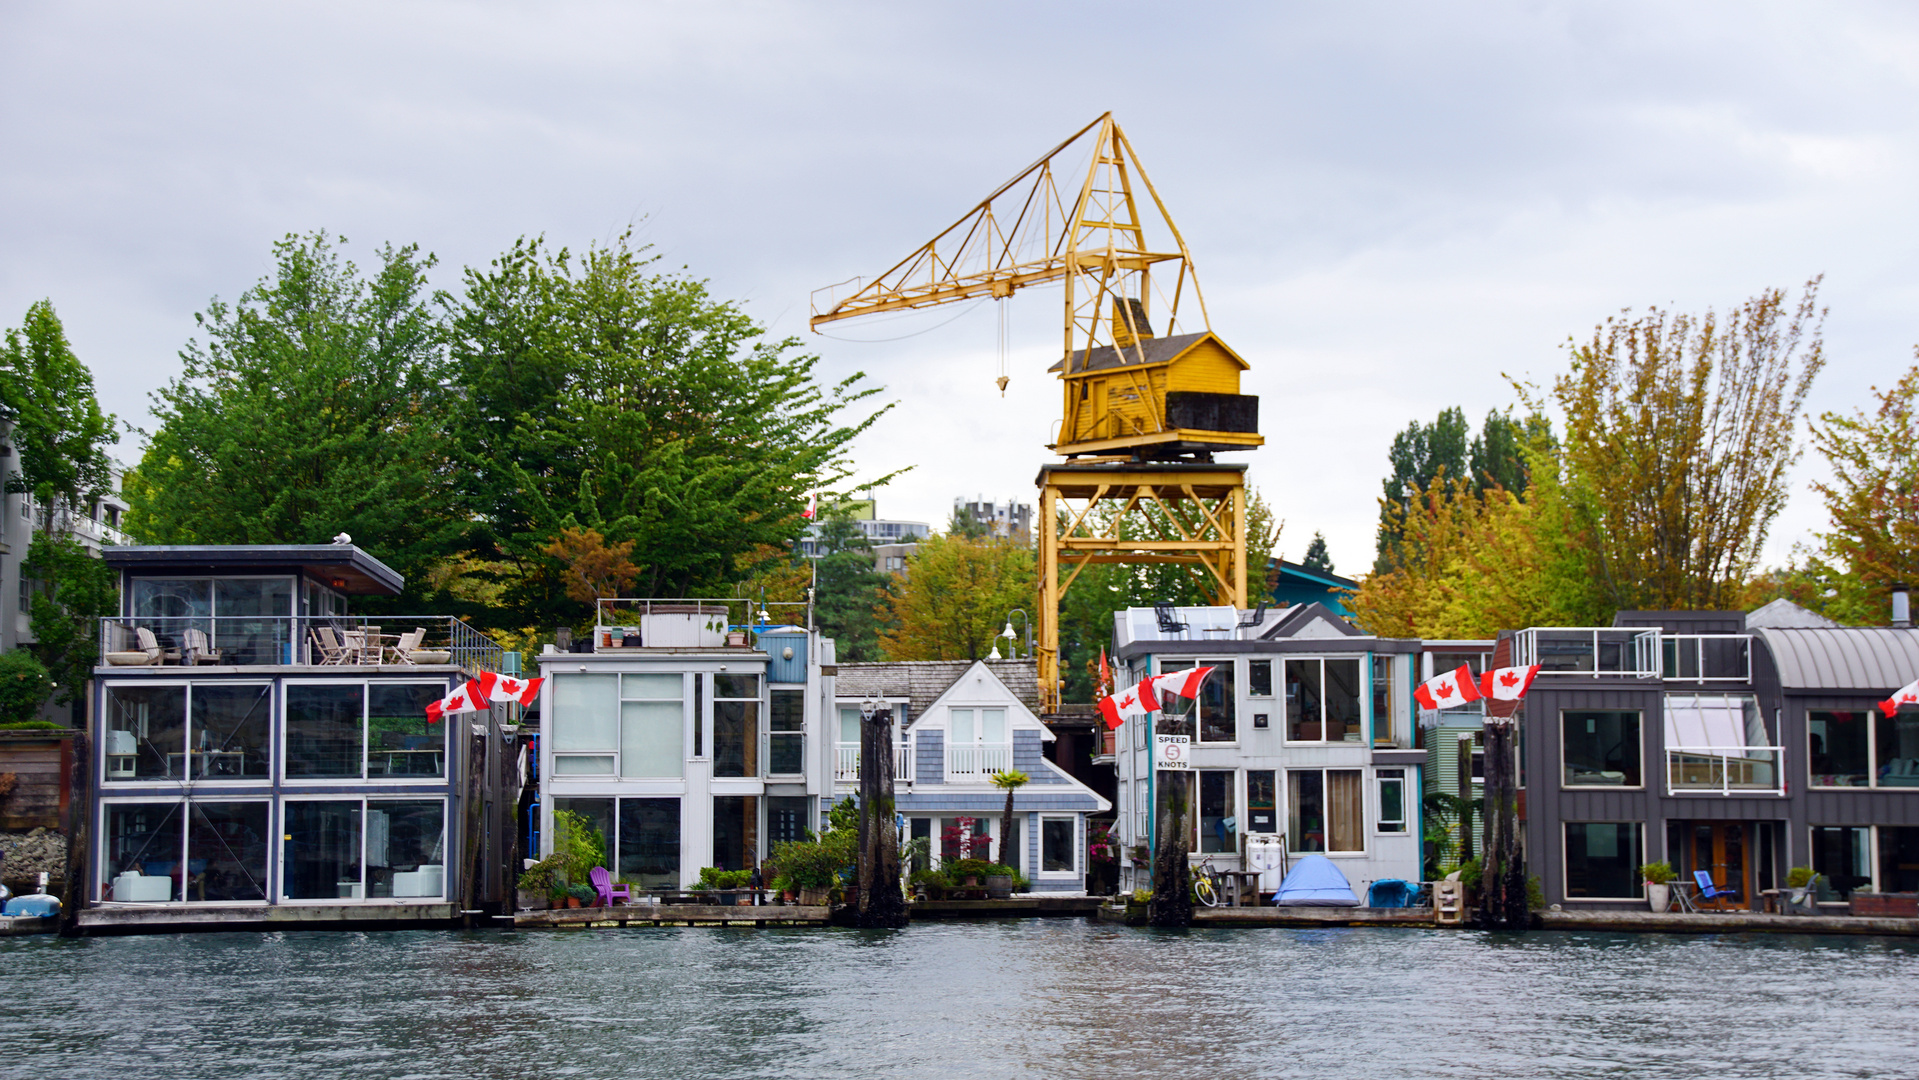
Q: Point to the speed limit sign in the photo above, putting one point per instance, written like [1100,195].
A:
[1172,752]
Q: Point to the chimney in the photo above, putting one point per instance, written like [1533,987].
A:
[1901,609]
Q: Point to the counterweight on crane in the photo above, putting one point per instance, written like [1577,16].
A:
[1143,411]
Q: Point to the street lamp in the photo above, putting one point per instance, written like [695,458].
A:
[1012,638]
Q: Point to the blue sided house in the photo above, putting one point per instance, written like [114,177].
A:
[958,723]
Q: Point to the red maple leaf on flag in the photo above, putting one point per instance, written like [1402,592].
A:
[1509,679]
[1445,690]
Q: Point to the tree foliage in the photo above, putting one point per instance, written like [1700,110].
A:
[74,590]
[24,686]
[1679,435]
[1446,446]
[847,590]
[61,434]
[594,569]
[315,406]
[1317,557]
[955,596]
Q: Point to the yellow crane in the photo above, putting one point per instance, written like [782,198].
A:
[1143,412]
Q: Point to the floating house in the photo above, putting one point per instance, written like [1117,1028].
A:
[261,755]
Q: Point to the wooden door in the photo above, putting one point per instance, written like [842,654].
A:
[1722,849]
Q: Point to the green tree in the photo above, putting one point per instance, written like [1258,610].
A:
[1418,454]
[316,406]
[955,596]
[1317,557]
[74,591]
[1679,435]
[847,590]
[599,394]
[24,686]
[59,429]
[963,523]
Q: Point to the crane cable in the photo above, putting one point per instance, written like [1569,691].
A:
[1000,304]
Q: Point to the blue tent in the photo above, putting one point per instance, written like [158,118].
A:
[1315,882]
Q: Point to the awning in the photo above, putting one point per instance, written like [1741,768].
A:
[1714,722]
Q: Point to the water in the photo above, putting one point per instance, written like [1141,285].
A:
[1056,998]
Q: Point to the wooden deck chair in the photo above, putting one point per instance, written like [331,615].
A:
[409,641]
[151,646]
[332,652]
[198,649]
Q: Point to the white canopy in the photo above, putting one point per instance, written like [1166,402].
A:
[1726,722]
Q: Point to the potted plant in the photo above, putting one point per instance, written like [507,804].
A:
[1659,877]
[999,882]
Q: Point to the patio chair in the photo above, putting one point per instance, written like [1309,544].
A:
[151,646]
[332,652]
[409,641]
[1253,618]
[197,648]
[608,892]
[1168,617]
[1709,891]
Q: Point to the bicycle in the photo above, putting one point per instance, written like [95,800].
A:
[1206,884]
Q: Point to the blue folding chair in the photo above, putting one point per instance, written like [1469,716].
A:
[1709,891]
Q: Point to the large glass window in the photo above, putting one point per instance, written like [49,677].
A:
[145,732]
[143,852]
[320,854]
[1898,749]
[1216,713]
[357,849]
[1325,810]
[198,851]
[585,725]
[736,830]
[1262,801]
[600,817]
[649,841]
[227,850]
[1058,849]
[1899,858]
[786,738]
[1603,859]
[338,730]
[977,742]
[1388,725]
[1602,747]
[1392,800]
[736,726]
[406,848]
[1843,854]
[787,818]
[652,725]
[1218,823]
[1837,749]
[247,619]
[230,730]
[1322,700]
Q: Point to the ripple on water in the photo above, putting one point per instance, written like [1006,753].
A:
[1060,998]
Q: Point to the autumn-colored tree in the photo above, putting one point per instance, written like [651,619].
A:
[1679,435]
[594,568]
[1873,502]
[954,598]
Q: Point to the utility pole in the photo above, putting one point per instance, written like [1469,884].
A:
[880,902]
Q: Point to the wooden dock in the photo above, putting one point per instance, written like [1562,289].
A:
[670,915]
[1727,922]
[176,920]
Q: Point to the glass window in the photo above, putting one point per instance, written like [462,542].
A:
[699,714]
[320,854]
[1898,748]
[1343,690]
[1218,824]
[143,841]
[652,735]
[921,828]
[400,740]
[736,739]
[1392,800]
[598,814]
[1262,801]
[230,730]
[1836,749]
[1259,678]
[1326,810]
[1304,713]
[583,765]
[736,830]
[850,724]
[653,687]
[1345,810]
[586,712]
[1899,858]
[1844,856]
[992,726]
[1306,809]
[146,731]
[1057,847]
[168,598]
[1601,748]
[1212,718]
[325,730]
[1450,661]
[1603,859]
[786,818]
[227,851]
[406,848]
[786,738]
[1386,720]
[736,686]
[650,842]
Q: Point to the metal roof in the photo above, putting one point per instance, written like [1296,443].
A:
[357,572]
[1879,659]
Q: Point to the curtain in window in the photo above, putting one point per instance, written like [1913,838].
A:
[1345,810]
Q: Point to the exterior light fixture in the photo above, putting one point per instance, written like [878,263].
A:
[868,708]
[995,653]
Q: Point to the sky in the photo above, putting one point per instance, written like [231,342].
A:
[1392,207]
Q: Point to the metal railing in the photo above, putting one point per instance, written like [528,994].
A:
[1593,651]
[690,623]
[846,763]
[281,641]
[1755,770]
[978,759]
[1706,657]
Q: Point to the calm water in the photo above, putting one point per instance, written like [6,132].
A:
[1060,998]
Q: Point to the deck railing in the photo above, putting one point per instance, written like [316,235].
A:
[1755,770]
[969,760]
[1706,658]
[1591,651]
[846,763]
[315,640]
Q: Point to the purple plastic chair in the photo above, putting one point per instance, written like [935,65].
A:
[609,892]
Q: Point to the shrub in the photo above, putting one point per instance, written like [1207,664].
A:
[1657,873]
[712,877]
[1798,877]
[816,864]
[1535,894]
[959,869]
[24,687]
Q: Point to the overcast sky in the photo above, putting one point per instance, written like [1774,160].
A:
[1389,205]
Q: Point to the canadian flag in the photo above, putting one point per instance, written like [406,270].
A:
[1507,683]
[812,506]
[508,688]
[468,698]
[1444,691]
[1134,699]
[1183,683]
[1905,695]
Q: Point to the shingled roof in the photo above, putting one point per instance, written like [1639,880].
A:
[1156,350]
[921,682]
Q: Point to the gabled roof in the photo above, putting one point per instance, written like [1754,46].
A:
[1783,614]
[1162,350]
[1309,621]
[922,682]
[1867,659]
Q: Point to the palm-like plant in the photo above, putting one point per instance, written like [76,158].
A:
[1009,780]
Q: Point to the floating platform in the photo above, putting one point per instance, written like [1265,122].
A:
[1726,922]
[176,920]
[670,915]
[1025,905]
[18,925]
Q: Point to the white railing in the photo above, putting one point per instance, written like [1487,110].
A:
[1706,658]
[1592,651]
[1755,770]
[978,759]
[846,763]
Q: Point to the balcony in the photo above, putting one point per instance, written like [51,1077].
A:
[1755,770]
[977,761]
[722,623]
[846,764]
[1588,651]
[1704,658]
[1108,748]
[305,641]
[62,520]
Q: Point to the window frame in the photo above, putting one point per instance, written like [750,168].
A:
[365,799]
[1382,777]
[1039,870]
[283,736]
[1875,720]
[1362,696]
[1285,796]
[186,802]
[1565,865]
[1479,747]
[1231,699]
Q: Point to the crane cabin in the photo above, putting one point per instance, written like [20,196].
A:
[1153,397]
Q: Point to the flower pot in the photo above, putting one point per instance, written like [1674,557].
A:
[999,886]
[736,639]
[788,897]
[1658,897]
[971,882]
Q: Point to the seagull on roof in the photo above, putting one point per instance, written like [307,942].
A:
[343,538]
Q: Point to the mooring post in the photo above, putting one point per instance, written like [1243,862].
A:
[880,902]
[1502,878]
[1172,903]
